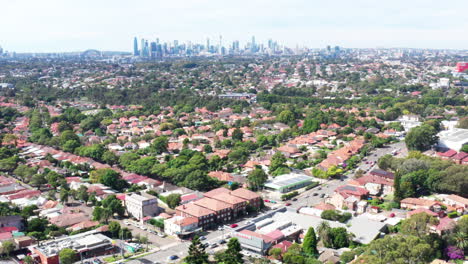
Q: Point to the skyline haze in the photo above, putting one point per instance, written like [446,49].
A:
[60,26]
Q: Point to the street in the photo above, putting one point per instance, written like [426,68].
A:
[170,246]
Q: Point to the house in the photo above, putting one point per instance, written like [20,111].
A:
[447,154]
[68,219]
[12,221]
[347,196]
[409,121]
[416,203]
[382,174]
[374,184]
[445,225]
[221,176]
[456,201]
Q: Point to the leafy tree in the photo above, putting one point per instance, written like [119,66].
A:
[70,145]
[257,179]
[421,137]
[38,180]
[310,125]
[397,249]
[196,253]
[64,195]
[68,256]
[113,205]
[143,166]
[418,225]
[68,135]
[233,254]
[82,193]
[237,135]
[125,233]
[286,116]
[310,243]
[275,253]
[385,162]
[108,177]
[8,247]
[109,157]
[159,145]
[278,161]
[114,228]
[173,200]
[28,259]
[126,159]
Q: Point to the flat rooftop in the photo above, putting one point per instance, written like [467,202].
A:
[80,242]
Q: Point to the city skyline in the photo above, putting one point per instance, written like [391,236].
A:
[61,26]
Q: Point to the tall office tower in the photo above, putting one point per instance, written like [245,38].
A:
[135,47]
[328,48]
[142,47]
[157,40]
[153,50]
[220,45]
[253,47]
[208,44]
[270,44]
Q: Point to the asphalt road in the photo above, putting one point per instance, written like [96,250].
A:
[171,246]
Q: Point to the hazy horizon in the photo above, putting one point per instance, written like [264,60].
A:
[67,26]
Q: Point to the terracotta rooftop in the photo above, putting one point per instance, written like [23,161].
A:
[245,194]
[194,210]
[212,204]
[215,192]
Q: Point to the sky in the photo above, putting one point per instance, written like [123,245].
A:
[77,25]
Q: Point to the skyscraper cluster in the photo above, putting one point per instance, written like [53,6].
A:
[156,49]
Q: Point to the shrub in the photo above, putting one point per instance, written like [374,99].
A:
[288,196]
[311,185]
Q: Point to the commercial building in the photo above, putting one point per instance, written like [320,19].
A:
[142,205]
[180,226]
[206,217]
[88,244]
[288,182]
[453,138]
[271,228]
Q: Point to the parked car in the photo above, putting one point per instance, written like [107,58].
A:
[294,199]
[222,241]
[173,257]
[202,238]
[322,195]
[287,204]
[214,245]
[315,194]
[266,201]
[234,225]
[161,235]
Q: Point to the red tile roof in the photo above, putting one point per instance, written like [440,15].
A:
[245,194]
[215,192]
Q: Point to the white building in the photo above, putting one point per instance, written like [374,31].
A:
[179,225]
[142,205]
[453,138]
[409,121]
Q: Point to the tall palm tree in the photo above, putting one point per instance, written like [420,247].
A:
[323,231]
[461,240]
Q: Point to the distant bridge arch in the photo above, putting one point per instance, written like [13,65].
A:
[91,53]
